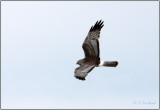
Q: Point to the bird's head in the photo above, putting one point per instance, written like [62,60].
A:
[80,62]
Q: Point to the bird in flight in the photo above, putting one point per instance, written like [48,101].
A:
[92,51]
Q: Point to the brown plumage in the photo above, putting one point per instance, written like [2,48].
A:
[91,51]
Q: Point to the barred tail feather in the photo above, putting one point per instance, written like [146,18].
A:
[109,63]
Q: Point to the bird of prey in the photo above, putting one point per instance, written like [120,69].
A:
[92,51]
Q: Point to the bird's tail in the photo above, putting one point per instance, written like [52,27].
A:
[108,63]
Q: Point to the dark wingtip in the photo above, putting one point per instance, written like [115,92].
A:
[98,25]
[80,78]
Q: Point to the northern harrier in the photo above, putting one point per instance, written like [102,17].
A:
[91,51]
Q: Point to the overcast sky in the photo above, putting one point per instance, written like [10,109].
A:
[42,41]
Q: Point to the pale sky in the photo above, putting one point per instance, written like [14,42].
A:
[42,41]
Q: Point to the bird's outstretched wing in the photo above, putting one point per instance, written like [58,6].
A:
[91,43]
[82,71]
